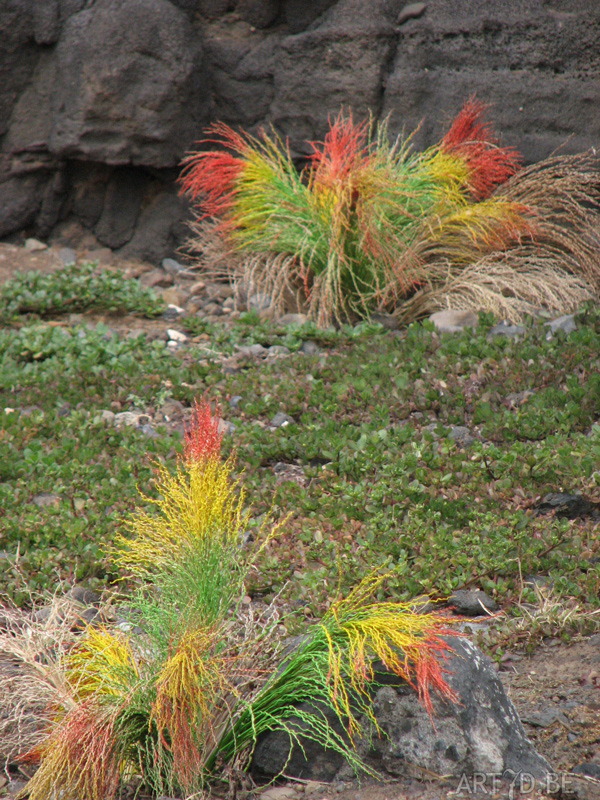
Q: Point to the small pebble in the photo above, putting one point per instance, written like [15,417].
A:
[310,348]
[34,245]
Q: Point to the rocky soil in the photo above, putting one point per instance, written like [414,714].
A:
[556,690]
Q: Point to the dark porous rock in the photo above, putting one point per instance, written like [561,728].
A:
[508,56]
[472,602]
[121,208]
[461,435]
[311,762]
[569,506]
[18,58]
[589,768]
[46,21]
[260,13]
[212,9]
[93,85]
[481,733]
[131,84]
[86,596]
[53,200]
[20,201]
[161,229]
[299,15]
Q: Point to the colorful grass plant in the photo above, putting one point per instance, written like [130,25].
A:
[198,676]
[370,226]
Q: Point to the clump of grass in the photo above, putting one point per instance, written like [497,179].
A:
[76,288]
[371,226]
[198,681]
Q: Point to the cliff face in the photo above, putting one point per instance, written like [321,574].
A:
[100,99]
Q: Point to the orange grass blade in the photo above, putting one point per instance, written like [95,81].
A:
[335,160]
[80,760]
[189,692]
[213,174]
[473,139]
[202,438]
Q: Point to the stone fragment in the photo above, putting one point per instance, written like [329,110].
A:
[46,499]
[569,506]
[67,255]
[281,420]
[566,324]
[34,245]
[279,793]
[150,431]
[177,336]
[292,319]
[388,321]
[544,718]
[454,321]
[252,351]
[461,435]
[86,596]
[171,266]
[411,11]
[131,419]
[589,768]
[106,416]
[310,348]
[197,288]
[507,329]
[172,312]
[472,602]
[289,472]
[155,278]
[278,350]
[101,255]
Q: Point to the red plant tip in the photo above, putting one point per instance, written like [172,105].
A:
[473,139]
[202,440]
[342,150]
[213,174]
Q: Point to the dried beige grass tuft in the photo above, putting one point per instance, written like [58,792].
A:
[32,683]
[509,285]
[274,275]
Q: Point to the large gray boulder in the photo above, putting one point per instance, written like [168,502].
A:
[480,734]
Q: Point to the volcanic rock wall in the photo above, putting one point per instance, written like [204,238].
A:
[100,99]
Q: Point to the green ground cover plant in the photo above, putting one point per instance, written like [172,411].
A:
[383,484]
[73,289]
